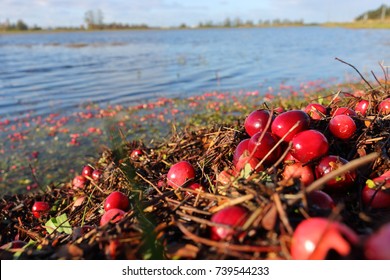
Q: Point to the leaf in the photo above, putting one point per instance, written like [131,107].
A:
[59,224]
[370,184]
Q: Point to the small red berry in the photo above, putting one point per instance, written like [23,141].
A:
[384,107]
[362,107]
[344,111]
[331,163]
[79,182]
[315,111]
[257,121]
[136,154]
[308,145]
[87,171]
[285,121]
[233,216]
[321,199]
[114,215]
[315,237]
[377,198]
[342,127]
[260,149]
[39,208]
[96,175]
[180,173]
[377,246]
[297,170]
[116,200]
[241,148]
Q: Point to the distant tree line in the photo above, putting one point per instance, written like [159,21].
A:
[238,22]
[20,25]
[94,20]
[382,13]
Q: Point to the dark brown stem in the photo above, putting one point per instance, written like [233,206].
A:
[342,61]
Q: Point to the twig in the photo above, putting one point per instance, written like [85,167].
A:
[356,71]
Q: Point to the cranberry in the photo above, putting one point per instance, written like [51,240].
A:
[314,237]
[233,216]
[246,159]
[344,111]
[331,163]
[87,171]
[179,174]
[17,244]
[342,126]
[321,199]
[256,121]
[362,107]
[39,208]
[298,171]
[377,246]
[136,154]
[96,175]
[79,182]
[384,107]
[114,215]
[315,111]
[308,145]
[376,198]
[240,149]
[285,121]
[116,200]
[260,149]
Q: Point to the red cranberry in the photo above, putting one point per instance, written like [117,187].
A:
[362,107]
[179,174]
[87,171]
[314,237]
[260,149]
[116,200]
[79,182]
[321,199]
[384,107]
[308,145]
[344,111]
[233,216]
[17,244]
[136,154]
[300,172]
[39,208]
[285,121]
[251,161]
[376,198]
[114,215]
[342,127]
[240,149]
[377,246]
[256,121]
[96,175]
[315,111]
[331,163]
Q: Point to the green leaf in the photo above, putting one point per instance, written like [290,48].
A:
[59,224]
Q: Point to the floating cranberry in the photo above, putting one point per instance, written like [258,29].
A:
[87,171]
[285,121]
[297,170]
[321,199]
[257,122]
[315,237]
[179,174]
[114,215]
[315,111]
[384,107]
[331,163]
[362,107]
[377,198]
[260,149]
[233,216]
[79,182]
[240,149]
[342,127]
[116,200]
[344,111]
[39,208]
[377,246]
[308,145]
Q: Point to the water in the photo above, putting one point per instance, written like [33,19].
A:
[44,73]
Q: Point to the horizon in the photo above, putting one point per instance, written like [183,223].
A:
[164,13]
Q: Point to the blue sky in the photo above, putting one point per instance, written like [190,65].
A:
[48,13]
